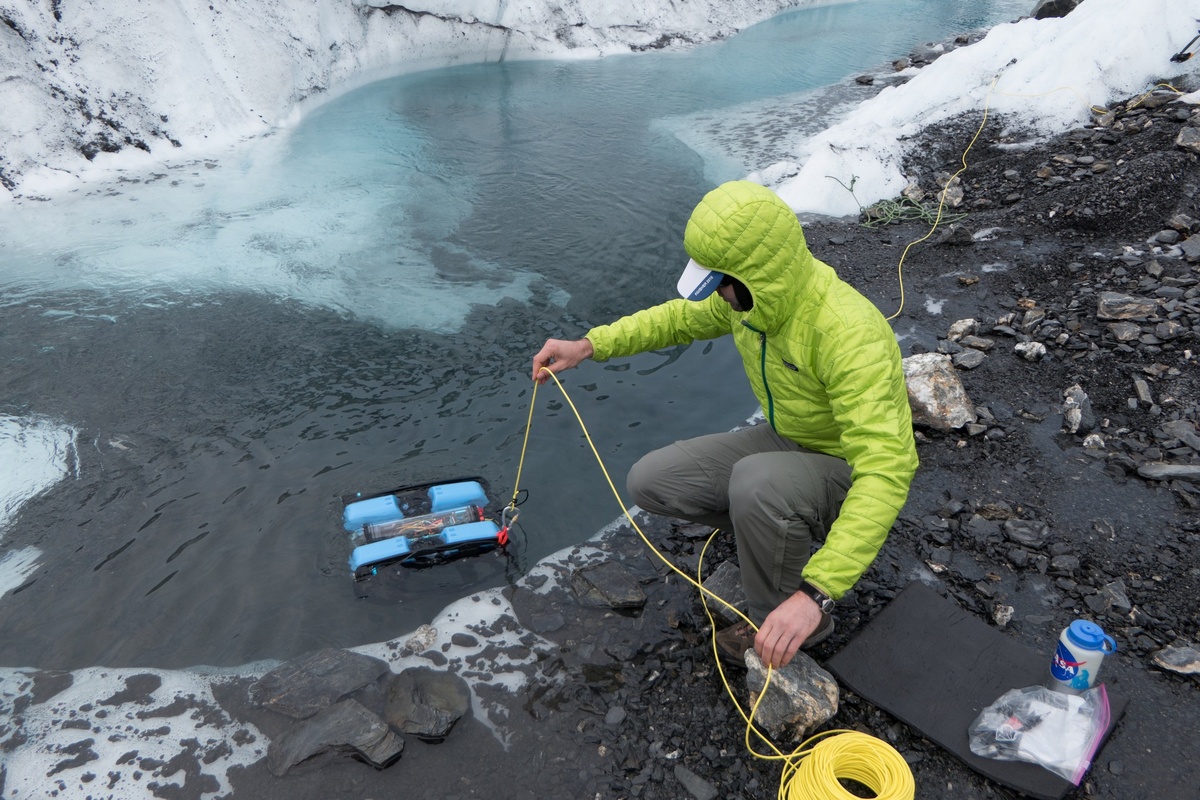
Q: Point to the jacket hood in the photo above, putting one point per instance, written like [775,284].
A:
[746,231]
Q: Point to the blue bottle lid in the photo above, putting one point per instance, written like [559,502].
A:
[1090,636]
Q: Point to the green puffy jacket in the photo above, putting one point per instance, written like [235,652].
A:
[821,359]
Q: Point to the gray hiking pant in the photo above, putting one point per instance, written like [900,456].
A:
[775,495]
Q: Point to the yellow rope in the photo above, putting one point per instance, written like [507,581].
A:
[512,504]
[986,102]
[809,773]
[852,755]
[941,200]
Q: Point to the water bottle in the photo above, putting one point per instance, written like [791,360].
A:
[1081,647]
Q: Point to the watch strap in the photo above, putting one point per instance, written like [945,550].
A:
[823,601]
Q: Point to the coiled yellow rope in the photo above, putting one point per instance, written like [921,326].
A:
[809,773]
[849,755]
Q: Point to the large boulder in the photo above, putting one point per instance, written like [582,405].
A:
[935,393]
[799,697]
[316,680]
[426,702]
[347,726]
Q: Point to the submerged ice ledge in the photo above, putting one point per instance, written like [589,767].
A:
[152,731]
[92,86]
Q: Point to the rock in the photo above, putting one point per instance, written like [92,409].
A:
[800,697]
[421,640]
[961,328]
[1181,657]
[347,725]
[1167,472]
[1191,248]
[426,702]
[1113,305]
[952,195]
[1114,595]
[726,582]
[982,529]
[615,716]
[935,392]
[607,585]
[1188,139]
[1169,330]
[1078,416]
[977,342]
[1046,9]
[968,359]
[461,639]
[1184,431]
[1028,533]
[1165,236]
[1002,615]
[546,622]
[305,685]
[958,235]
[914,192]
[1125,331]
[1183,223]
[1065,564]
[1030,351]
[697,787]
[1143,391]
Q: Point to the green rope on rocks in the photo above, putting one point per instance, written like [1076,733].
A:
[905,209]
[885,212]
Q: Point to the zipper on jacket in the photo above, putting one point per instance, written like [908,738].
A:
[762,339]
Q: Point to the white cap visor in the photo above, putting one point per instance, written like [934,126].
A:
[697,282]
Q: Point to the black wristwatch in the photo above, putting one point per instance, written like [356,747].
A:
[823,601]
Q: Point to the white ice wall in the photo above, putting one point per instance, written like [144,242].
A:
[79,78]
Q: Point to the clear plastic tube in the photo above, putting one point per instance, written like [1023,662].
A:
[424,525]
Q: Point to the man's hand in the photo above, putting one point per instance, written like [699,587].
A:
[786,628]
[559,354]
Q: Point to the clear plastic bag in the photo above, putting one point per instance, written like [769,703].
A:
[1061,732]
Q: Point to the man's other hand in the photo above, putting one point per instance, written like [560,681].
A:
[786,628]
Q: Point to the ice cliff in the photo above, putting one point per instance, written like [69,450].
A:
[81,80]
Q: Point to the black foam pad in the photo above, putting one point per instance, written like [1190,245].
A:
[935,666]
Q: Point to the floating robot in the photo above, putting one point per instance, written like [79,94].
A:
[420,526]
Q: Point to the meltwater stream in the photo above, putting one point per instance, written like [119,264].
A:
[198,362]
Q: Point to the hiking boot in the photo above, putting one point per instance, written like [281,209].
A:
[734,641]
[824,631]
